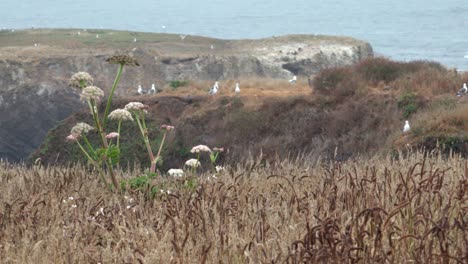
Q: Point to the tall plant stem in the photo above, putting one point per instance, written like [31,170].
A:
[102,133]
[144,133]
[109,100]
[161,145]
[118,131]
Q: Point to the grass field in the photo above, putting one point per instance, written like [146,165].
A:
[381,210]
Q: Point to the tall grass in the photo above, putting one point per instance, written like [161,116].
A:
[379,210]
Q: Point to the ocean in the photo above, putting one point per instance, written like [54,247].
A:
[435,30]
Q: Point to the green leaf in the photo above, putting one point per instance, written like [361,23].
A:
[112,153]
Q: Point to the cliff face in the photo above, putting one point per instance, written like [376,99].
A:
[34,95]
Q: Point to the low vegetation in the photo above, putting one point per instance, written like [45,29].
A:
[289,211]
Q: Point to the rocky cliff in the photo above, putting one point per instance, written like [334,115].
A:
[35,66]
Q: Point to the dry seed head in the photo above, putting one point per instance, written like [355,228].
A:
[123,59]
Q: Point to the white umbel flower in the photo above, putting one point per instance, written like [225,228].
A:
[91,93]
[200,148]
[80,128]
[120,115]
[135,106]
[219,168]
[194,163]
[176,172]
[80,80]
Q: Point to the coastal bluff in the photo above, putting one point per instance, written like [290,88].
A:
[35,66]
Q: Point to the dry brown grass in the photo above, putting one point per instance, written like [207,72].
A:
[368,211]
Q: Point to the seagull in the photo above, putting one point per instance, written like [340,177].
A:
[140,90]
[182,37]
[152,90]
[97,35]
[79,33]
[134,40]
[293,80]
[35,44]
[215,88]
[211,47]
[237,90]
[463,90]
[406,128]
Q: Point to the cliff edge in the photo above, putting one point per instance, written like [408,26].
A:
[35,66]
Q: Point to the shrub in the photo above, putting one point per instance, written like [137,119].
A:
[337,82]
[374,70]
[237,103]
[407,103]
[177,83]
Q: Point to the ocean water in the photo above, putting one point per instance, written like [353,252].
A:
[403,30]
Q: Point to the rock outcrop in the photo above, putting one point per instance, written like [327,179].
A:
[34,95]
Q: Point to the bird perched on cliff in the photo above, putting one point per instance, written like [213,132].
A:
[463,90]
[293,80]
[182,36]
[134,40]
[237,89]
[140,90]
[152,90]
[406,127]
[214,89]
[97,36]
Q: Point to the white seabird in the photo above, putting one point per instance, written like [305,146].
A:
[182,37]
[463,90]
[293,80]
[134,40]
[140,90]
[35,44]
[406,127]
[237,90]
[97,35]
[214,89]
[211,47]
[152,90]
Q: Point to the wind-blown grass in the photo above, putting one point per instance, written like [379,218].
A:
[293,211]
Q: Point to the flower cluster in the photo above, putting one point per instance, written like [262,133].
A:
[121,115]
[219,168]
[167,127]
[112,135]
[135,106]
[72,137]
[91,93]
[81,128]
[218,149]
[176,172]
[80,80]
[200,148]
[194,163]
[123,59]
